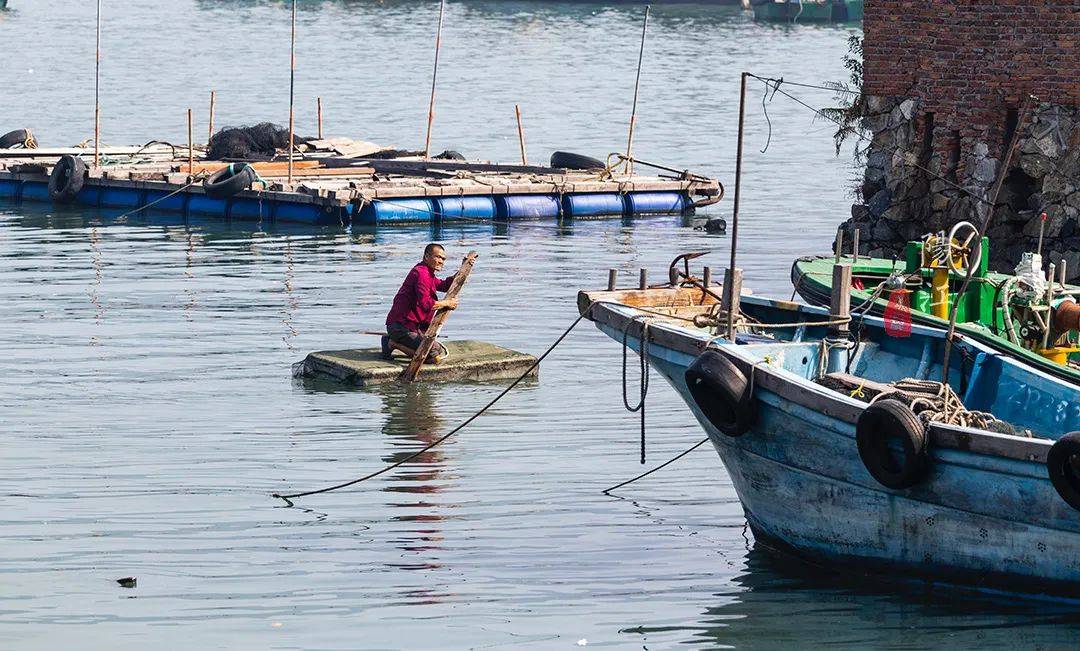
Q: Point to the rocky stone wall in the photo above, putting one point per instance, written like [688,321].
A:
[911,187]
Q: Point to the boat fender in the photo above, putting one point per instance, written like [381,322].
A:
[17,138]
[66,179]
[1063,465]
[229,180]
[570,161]
[722,393]
[880,427]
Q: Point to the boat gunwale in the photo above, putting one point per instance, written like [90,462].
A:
[806,393]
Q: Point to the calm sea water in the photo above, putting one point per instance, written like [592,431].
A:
[147,408]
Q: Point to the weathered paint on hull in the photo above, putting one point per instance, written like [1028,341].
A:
[976,519]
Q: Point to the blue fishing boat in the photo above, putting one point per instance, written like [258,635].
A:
[847,452]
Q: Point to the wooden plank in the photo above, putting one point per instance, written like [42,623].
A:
[440,318]
[261,167]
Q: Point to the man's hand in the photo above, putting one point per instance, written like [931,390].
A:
[446,304]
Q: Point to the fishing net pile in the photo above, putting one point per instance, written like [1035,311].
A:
[257,142]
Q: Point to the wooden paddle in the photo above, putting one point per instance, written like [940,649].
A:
[428,342]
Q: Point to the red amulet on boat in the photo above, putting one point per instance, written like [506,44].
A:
[898,314]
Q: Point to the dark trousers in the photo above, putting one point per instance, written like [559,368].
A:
[399,334]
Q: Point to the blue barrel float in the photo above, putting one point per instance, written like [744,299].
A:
[471,207]
[640,203]
[527,206]
[396,211]
[593,205]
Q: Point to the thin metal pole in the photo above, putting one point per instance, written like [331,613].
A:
[210,128]
[318,111]
[190,144]
[434,76]
[637,84]
[735,200]
[521,135]
[292,91]
[97,90]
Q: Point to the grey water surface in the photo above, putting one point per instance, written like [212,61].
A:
[146,405]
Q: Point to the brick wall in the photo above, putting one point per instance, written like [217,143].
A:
[970,61]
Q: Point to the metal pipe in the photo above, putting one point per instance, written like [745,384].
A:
[735,206]
[434,76]
[97,90]
[210,129]
[629,168]
[1042,227]
[1061,274]
[292,91]
[521,135]
[1049,308]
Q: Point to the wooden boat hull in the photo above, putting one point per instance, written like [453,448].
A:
[986,516]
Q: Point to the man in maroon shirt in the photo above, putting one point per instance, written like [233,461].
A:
[415,305]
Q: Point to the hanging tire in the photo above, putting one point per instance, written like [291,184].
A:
[570,161]
[722,393]
[1063,466]
[66,179]
[229,180]
[450,154]
[14,138]
[891,421]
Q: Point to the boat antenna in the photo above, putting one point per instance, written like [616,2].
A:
[637,84]
[951,333]
[434,76]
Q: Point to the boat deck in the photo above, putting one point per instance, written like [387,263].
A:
[344,181]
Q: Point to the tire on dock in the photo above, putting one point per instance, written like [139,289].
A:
[229,180]
[66,179]
[571,161]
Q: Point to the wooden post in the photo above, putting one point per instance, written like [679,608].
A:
[318,112]
[97,91]
[409,374]
[210,129]
[643,279]
[292,91]
[839,244]
[1062,275]
[434,76]
[629,168]
[840,304]
[706,277]
[190,144]
[731,296]
[855,246]
[612,276]
[521,135]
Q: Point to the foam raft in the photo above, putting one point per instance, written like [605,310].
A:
[475,361]
[329,187]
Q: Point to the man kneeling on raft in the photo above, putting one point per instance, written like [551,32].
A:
[415,305]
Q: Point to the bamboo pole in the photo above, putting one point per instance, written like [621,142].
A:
[428,342]
[97,90]
[190,142]
[637,84]
[434,76]
[292,91]
[318,112]
[521,135]
[210,128]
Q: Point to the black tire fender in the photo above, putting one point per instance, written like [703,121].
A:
[571,161]
[450,154]
[229,180]
[890,421]
[1063,466]
[14,138]
[66,179]
[722,393]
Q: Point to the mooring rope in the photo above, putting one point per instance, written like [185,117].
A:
[644,382]
[670,461]
[195,180]
[288,498]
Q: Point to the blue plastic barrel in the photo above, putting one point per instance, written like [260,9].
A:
[165,203]
[35,191]
[592,205]
[247,208]
[200,204]
[451,208]
[527,206]
[399,211]
[305,213]
[120,198]
[90,195]
[9,188]
[638,203]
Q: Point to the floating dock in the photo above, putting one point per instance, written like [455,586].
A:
[341,181]
[475,361]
